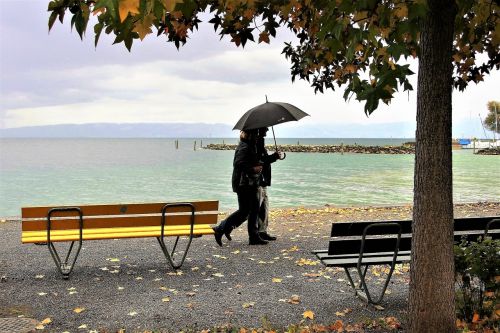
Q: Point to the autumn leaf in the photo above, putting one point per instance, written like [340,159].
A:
[276,280]
[295,299]
[133,313]
[128,6]
[78,310]
[308,315]
[337,326]
[82,326]
[248,305]
[304,262]
[41,325]
[143,27]
[165,299]
[264,37]
[170,4]
[475,318]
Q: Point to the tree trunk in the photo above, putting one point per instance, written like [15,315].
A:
[432,297]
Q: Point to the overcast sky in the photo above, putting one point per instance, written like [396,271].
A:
[56,79]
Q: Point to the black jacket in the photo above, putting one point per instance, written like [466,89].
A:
[266,160]
[245,158]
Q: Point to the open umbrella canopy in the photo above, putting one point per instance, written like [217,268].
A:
[269,114]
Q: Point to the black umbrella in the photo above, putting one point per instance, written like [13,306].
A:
[268,115]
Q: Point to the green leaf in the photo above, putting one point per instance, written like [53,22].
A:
[52,19]
[97,30]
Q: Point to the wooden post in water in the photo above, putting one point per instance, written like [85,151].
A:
[201,143]
[342,148]
[176,144]
[194,145]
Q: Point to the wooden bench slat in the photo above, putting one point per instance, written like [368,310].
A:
[352,262]
[340,229]
[118,209]
[118,222]
[110,233]
[346,246]
[325,255]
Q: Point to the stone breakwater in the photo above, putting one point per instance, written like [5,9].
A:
[405,149]
[489,151]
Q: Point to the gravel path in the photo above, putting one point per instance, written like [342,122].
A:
[127,284]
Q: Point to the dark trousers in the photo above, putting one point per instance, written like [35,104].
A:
[248,208]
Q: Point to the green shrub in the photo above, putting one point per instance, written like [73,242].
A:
[477,275]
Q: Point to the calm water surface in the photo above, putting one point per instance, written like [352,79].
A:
[82,171]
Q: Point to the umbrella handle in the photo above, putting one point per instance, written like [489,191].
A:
[276,146]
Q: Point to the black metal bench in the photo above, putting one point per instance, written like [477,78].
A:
[362,244]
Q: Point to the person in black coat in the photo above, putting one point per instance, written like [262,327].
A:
[266,159]
[245,182]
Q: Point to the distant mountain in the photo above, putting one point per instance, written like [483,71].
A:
[204,130]
[107,130]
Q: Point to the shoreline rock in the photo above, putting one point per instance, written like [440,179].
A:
[488,151]
[356,149]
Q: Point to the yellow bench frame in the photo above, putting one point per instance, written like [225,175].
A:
[98,222]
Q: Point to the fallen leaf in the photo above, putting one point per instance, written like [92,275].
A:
[82,326]
[475,318]
[276,280]
[39,276]
[121,288]
[133,313]
[218,275]
[379,307]
[113,259]
[337,326]
[42,294]
[308,314]
[78,310]
[46,321]
[165,299]
[295,299]
[248,305]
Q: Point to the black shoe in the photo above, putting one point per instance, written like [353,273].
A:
[228,235]
[218,235]
[266,236]
[257,241]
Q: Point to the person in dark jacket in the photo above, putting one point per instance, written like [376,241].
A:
[266,159]
[245,182]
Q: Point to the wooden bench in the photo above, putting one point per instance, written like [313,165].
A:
[99,222]
[362,244]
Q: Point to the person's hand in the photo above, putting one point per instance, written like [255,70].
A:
[257,169]
[278,154]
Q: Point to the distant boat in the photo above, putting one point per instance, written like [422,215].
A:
[478,144]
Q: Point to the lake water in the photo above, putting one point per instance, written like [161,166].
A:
[83,171]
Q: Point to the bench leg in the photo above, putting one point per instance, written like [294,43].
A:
[170,254]
[64,268]
[361,290]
